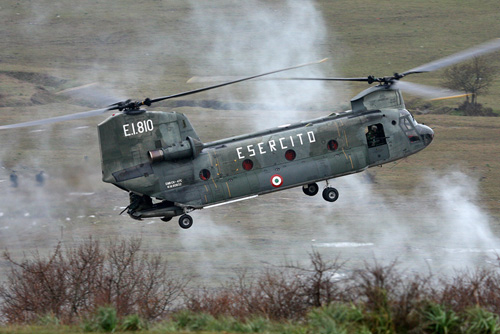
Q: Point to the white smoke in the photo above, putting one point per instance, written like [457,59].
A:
[253,37]
[438,225]
[242,39]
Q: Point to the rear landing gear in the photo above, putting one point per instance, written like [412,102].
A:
[310,189]
[330,194]
[185,221]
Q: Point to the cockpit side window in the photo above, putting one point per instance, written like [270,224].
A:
[406,123]
[375,135]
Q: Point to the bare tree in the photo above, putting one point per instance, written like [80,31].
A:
[474,78]
[320,283]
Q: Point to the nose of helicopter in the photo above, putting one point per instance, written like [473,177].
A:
[425,133]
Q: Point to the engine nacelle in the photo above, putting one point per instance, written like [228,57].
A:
[189,148]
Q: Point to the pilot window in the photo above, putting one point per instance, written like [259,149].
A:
[406,124]
[375,135]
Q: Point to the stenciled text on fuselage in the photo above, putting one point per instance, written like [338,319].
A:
[272,145]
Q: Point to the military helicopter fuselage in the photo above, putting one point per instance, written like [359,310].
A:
[158,155]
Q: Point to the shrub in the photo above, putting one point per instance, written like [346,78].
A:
[391,302]
[440,320]
[277,293]
[480,321]
[104,319]
[72,283]
[187,320]
[48,320]
[471,288]
[321,281]
[336,318]
[133,323]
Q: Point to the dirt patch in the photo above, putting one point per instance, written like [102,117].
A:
[42,96]
[29,88]
[36,78]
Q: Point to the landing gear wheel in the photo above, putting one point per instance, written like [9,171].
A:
[330,194]
[185,221]
[166,219]
[310,189]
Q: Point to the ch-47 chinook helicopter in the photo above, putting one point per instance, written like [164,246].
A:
[158,155]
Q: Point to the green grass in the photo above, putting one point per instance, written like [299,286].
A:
[332,319]
[40,329]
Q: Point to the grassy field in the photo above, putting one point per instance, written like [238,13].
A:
[440,207]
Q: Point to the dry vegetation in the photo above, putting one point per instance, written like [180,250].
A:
[121,286]
[71,284]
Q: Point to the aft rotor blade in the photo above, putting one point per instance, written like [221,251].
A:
[93,93]
[199,90]
[475,51]
[80,115]
[126,104]
[427,92]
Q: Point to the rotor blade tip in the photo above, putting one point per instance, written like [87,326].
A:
[449,97]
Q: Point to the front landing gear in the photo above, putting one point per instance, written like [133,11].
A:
[185,221]
[330,194]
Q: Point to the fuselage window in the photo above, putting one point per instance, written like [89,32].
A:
[247,164]
[333,145]
[204,174]
[290,155]
[375,135]
[408,127]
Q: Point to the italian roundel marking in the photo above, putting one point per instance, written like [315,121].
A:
[276,180]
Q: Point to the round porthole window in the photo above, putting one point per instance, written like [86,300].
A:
[204,174]
[333,145]
[247,164]
[290,155]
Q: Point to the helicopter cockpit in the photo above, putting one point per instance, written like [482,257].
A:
[414,131]
[407,123]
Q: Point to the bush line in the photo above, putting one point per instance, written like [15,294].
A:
[120,286]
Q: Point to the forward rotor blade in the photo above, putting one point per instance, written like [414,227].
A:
[227,78]
[199,90]
[427,92]
[80,115]
[475,51]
